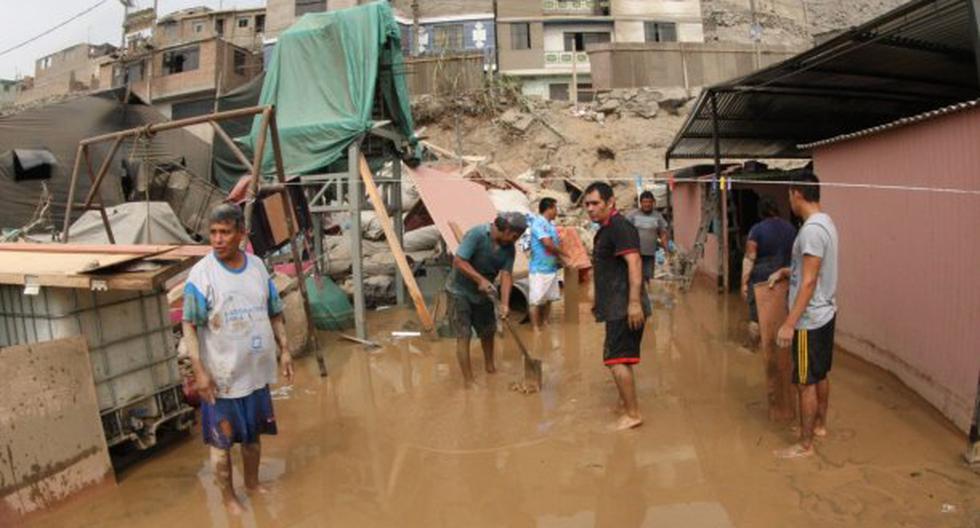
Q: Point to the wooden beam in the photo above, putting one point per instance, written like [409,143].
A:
[253,185]
[71,192]
[103,170]
[379,209]
[293,245]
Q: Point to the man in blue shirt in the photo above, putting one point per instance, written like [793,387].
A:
[545,252]
[767,251]
[485,252]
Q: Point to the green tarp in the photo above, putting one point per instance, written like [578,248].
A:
[323,77]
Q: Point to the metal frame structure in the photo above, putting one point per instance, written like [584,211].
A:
[344,192]
[267,129]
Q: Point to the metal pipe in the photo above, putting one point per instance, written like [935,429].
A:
[180,123]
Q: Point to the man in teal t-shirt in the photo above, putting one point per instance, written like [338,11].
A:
[485,252]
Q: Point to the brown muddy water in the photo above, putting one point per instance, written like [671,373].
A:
[392,439]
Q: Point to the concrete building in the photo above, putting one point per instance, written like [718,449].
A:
[8,92]
[544,42]
[182,80]
[73,69]
[243,28]
[283,13]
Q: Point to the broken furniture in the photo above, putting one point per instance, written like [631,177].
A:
[115,297]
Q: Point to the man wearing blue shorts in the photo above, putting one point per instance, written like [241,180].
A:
[234,330]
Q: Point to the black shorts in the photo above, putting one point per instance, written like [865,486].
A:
[813,353]
[622,344]
[649,266]
[466,315]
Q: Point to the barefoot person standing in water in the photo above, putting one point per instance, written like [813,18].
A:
[233,328]
[813,310]
[620,297]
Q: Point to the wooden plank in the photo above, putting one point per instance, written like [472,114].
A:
[52,446]
[64,264]
[379,209]
[139,249]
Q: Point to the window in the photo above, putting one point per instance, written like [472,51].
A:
[660,31]
[579,41]
[191,109]
[558,92]
[243,22]
[181,60]
[199,27]
[260,23]
[310,6]
[219,26]
[240,62]
[447,37]
[520,36]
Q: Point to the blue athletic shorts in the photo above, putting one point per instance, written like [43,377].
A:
[238,420]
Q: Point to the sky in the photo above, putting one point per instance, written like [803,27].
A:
[103,24]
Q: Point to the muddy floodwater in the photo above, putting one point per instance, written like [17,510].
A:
[390,438]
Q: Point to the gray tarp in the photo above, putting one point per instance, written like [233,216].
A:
[132,223]
[58,127]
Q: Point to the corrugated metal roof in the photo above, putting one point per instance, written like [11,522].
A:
[925,116]
[912,60]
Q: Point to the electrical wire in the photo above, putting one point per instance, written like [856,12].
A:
[52,29]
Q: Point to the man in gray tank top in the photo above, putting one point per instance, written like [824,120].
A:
[809,328]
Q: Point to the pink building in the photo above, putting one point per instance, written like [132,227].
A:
[909,289]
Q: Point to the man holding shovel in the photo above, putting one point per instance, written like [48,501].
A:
[620,300]
[485,252]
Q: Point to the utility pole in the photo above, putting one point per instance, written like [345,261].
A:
[416,38]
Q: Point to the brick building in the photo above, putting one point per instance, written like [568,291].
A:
[73,69]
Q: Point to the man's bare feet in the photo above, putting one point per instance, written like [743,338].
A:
[234,506]
[818,431]
[794,451]
[626,422]
[257,488]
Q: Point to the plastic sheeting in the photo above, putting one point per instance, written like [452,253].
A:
[132,223]
[323,77]
[58,127]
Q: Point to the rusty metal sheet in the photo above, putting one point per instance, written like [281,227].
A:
[52,444]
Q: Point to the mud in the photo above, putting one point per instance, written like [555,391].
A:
[391,439]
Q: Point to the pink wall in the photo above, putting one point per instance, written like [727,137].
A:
[686,201]
[909,289]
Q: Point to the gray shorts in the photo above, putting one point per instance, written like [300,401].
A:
[468,317]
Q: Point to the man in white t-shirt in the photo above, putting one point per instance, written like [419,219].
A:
[234,330]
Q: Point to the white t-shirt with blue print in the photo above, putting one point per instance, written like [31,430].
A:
[231,310]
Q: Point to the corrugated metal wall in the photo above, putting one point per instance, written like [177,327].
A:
[909,289]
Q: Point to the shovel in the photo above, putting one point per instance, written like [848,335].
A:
[532,367]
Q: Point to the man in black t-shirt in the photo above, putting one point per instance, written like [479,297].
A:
[620,298]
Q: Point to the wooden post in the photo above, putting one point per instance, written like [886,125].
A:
[354,196]
[71,192]
[253,187]
[571,295]
[231,144]
[270,120]
[396,249]
[96,183]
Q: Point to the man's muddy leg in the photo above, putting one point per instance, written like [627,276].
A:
[487,344]
[251,457]
[626,385]
[463,355]
[823,401]
[537,316]
[808,415]
[545,314]
[221,465]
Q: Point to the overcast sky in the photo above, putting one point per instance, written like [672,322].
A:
[104,24]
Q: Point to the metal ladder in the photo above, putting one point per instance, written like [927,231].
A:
[709,210]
